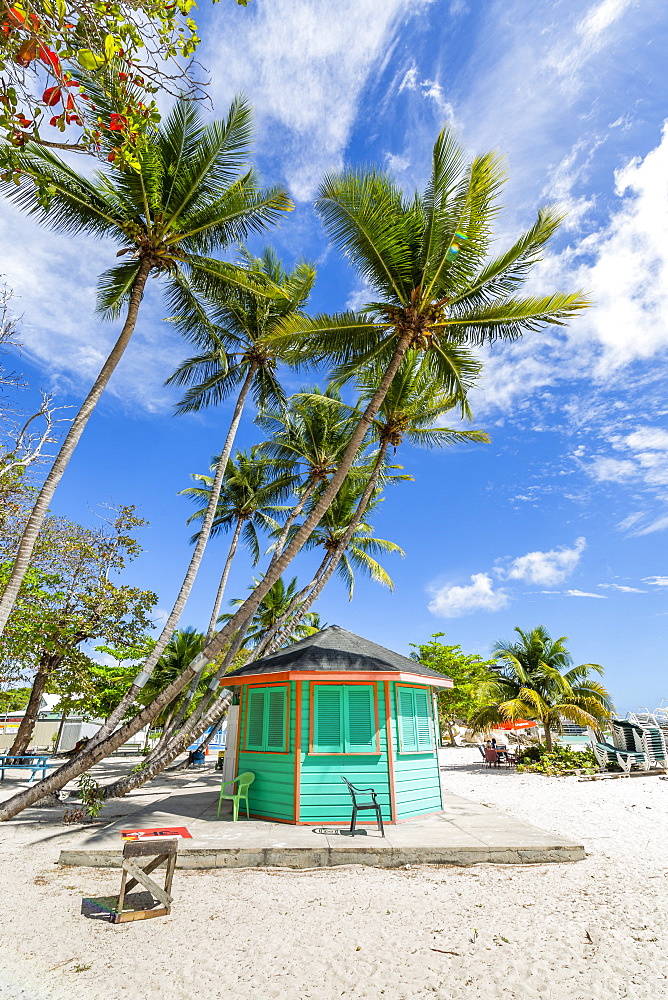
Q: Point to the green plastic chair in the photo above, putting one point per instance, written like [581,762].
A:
[245,781]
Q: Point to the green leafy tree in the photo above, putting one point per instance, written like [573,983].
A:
[273,606]
[49,52]
[189,197]
[70,601]
[470,673]
[14,699]
[539,682]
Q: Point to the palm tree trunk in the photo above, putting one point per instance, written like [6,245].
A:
[548,735]
[296,511]
[160,761]
[277,567]
[345,541]
[90,755]
[27,727]
[39,511]
[280,562]
[189,579]
[294,604]
[223,581]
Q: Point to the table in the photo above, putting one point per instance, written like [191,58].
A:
[26,762]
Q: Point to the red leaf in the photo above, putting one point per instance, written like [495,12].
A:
[52,96]
[27,52]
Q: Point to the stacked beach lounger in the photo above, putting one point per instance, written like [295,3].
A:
[633,745]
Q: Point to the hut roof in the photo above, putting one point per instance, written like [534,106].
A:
[335,650]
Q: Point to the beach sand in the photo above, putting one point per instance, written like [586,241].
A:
[591,930]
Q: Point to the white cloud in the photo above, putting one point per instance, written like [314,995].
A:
[303,65]
[454,601]
[545,568]
[656,581]
[660,524]
[622,588]
[613,470]
[584,593]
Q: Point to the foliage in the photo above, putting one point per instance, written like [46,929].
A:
[272,608]
[469,672]
[58,56]
[14,699]
[539,760]
[539,682]
[91,794]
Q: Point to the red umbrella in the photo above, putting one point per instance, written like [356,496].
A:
[517,724]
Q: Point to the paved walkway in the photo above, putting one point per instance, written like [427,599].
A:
[463,833]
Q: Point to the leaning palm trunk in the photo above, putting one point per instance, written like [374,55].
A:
[294,514]
[176,746]
[39,511]
[276,569]
[336,556]
[189,579]
[267,643]
[215,614]
[93,754]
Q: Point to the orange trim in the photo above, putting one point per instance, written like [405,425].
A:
[412,753]
[344,753]
[298,747]
[389,739]
[287,721]
[338,676]
[242,708]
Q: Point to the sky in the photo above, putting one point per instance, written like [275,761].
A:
[562,520]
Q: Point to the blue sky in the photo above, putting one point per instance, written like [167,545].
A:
[562,520]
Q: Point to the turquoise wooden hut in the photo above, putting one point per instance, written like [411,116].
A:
[336,704]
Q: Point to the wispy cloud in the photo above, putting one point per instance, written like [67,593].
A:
[304,64]
[623,589]
[656,581]
[585,593]
[453,601]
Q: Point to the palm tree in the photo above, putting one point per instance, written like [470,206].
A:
[248,499]
[273,606]
[539,682]
[234,328]
[425,258]
[188,197]
[308,438]
[183,646]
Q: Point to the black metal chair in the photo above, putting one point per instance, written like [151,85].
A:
[358,806]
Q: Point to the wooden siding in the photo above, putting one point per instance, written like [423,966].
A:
[272,792]
[417,780]
[323,796]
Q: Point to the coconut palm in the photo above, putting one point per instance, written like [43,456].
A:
[183,646]
[189,196]
[308,438]
[233,327]
[432,288]
[425,258]
[273,606]
[248,500]
[539,682]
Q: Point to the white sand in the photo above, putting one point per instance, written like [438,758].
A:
[592,930]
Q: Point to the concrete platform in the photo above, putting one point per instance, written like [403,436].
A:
[464,833]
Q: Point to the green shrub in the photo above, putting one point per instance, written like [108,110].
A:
[560,760]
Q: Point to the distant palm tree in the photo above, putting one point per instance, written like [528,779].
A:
[188,197]
[183,646]
[247,502]
[308,438]
[538,682]
[277,600]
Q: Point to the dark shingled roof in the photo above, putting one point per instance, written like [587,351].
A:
[334,649]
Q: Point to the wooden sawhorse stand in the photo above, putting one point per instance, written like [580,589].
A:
[161,852]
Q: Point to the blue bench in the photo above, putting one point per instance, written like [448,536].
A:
[26,762]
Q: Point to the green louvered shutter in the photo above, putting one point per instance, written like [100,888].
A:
[255,719]
[275,731]
[328,719]
[422,719]
[360,720]
[408,739]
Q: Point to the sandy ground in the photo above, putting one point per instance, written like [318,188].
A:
[593,930]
